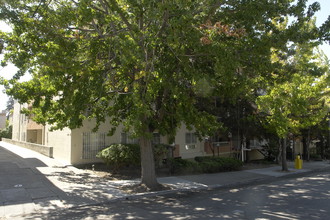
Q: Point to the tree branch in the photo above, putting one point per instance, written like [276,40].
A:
[122,16]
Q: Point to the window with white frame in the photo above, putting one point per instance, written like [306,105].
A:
[191,140]
[92,144]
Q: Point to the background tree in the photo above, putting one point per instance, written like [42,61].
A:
[295,95]
[239,117]
[10,104]
[298,98]
[141,63]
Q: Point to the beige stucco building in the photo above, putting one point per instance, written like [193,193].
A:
[3,119]
[79,146]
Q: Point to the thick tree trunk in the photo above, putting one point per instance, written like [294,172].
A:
[322,146]
[148,173]
[284,162]
[306,142]
[279,155]
[293,148]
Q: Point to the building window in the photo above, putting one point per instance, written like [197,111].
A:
[92,144]
[155,138]
[126,138]
[190,141]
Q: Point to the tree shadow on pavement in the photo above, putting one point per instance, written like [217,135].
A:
[29,185]
[296,198]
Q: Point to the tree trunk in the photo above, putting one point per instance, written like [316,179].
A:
[293,147]
[284,163]
[304,147]
[308,143]
[279,155]
[148,173]
[322,146]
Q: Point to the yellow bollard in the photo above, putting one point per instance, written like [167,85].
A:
[298,162]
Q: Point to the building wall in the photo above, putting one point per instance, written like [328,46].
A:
[180,141]
[20,122]
[60,140]
[15,121]
[298,147]
[32,125]
[10,118]
[32,136]
[223,149]
[78,138]
[35,136]
[70,145]
[254,154]
[25,130]
[3,120]
[78,156]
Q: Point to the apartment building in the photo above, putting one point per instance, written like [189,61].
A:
[80,145]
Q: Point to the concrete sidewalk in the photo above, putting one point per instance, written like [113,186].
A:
[33,183]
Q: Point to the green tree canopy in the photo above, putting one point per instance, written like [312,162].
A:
[296,96]
[143,63]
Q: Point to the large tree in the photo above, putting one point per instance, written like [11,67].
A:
[296,97]
[292,106]
[142,63]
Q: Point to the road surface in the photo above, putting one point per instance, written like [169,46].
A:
[296,198]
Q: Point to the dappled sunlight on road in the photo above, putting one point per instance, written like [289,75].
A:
[279,215]
[283,200]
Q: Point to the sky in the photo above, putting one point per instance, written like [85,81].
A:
[7,72]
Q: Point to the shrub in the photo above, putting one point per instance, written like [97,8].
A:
[315,157]
[182,166]
[124,155]
[209,166]
[7,132]
[161,152]
[204,165]
[218,164]
[121,155]
[203,159]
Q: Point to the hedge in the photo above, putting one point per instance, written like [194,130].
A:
[204,165]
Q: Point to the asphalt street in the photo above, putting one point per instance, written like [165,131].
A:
[290,198]
[33,186]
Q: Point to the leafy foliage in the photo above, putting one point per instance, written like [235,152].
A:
[10,104]
[218,164]
[182,166]
[7,132]
[161,152]
[294,105]
[121,155]
[125,155]
[296,95]
[137,63]
[205,165]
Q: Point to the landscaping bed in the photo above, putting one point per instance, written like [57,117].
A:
[129,173]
